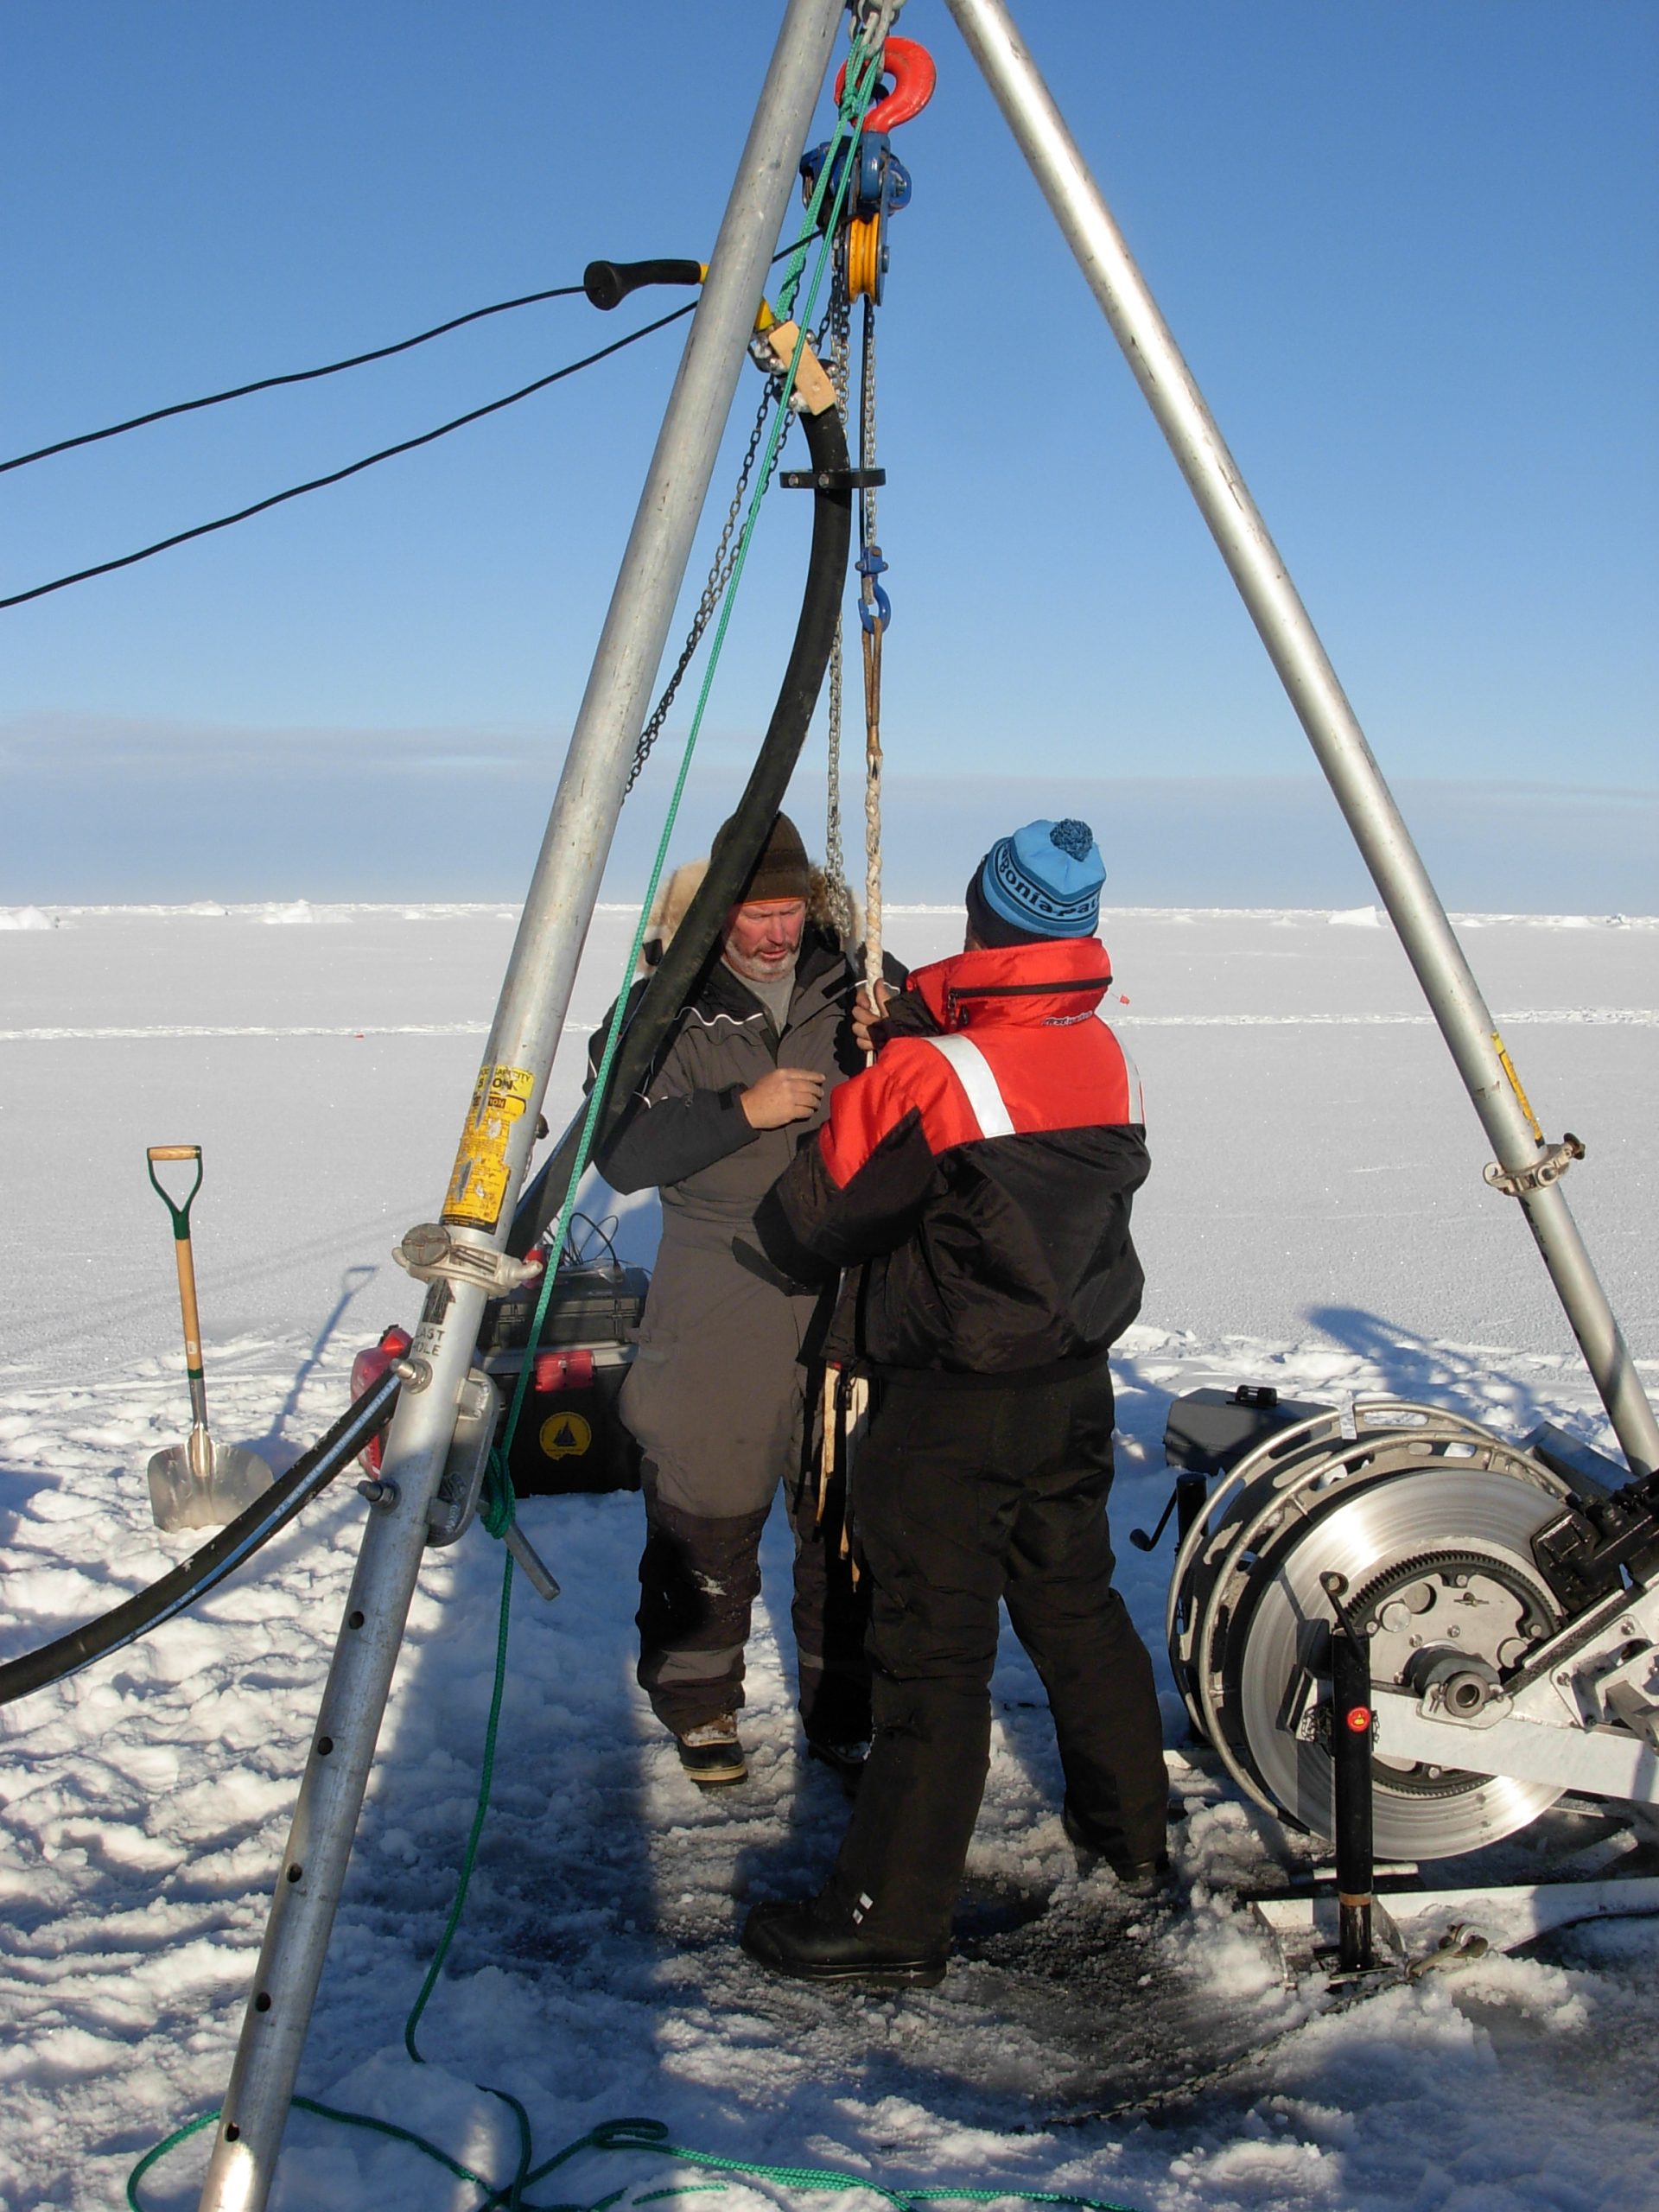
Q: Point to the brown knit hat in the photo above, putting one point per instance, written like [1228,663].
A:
[781,872]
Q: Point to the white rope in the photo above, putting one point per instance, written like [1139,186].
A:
[872,812]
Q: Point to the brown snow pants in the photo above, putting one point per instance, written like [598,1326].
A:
[698,1580]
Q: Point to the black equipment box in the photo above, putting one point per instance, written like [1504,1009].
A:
[1208,1432]
[598,1305]
[570,1436]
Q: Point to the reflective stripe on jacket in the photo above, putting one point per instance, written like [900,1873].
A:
[988,1196]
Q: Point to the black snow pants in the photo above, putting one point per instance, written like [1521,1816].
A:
[698,1580]
[963,1497]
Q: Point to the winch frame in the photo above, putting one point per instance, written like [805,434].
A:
[1578,1713]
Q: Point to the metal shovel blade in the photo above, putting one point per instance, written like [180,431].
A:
[202,1484]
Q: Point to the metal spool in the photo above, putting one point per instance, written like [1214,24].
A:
[1430,1518]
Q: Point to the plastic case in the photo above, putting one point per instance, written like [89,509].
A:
[570,1436]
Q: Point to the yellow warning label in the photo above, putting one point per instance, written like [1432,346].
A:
[1525,1103]
[477,1188]
[565,1436]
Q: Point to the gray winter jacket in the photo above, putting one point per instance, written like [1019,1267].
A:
[715,1396]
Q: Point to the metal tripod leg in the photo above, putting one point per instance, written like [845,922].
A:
[498,1130]
[1305,671]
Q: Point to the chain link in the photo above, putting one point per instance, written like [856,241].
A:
[871,642]
[838,326]
[714,590]
[867,431]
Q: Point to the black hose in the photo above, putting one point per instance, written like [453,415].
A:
[674,979]
[206,1569]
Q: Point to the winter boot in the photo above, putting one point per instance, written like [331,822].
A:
[1137,1877]
[711,1754]
[811,1941]
[844,1759]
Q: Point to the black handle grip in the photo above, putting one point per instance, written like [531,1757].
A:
[607,283]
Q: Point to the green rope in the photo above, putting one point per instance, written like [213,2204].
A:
[499,1504]
[480,1813]
[647,2135]
[651,2135]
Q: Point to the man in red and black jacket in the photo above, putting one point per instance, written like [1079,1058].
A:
[976,1182]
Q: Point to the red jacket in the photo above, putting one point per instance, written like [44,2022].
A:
[983,1169]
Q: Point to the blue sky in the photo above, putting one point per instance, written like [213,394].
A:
[1407,248]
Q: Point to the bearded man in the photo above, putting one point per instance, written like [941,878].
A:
[717,1392]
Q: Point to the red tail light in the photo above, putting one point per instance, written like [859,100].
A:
[563,1370]
[368,1367]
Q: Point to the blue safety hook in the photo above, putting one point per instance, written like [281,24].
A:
[876,617]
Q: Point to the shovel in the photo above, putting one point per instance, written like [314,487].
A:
[200,1484]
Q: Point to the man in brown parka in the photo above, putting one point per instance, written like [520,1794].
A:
[717,1392]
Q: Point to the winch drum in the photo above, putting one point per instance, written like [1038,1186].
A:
[1430,1519]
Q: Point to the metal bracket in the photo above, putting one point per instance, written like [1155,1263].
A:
[535,1568]
[455,1500]
[454,1503]
[874,19]
[1522,1182]
[1610,1761]
[434,1253]
[832,479]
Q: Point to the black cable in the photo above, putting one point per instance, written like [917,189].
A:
[339,475]
[297,375]
[631,275]
[205,1569]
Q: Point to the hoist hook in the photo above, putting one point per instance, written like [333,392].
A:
[875,613]
[914,76]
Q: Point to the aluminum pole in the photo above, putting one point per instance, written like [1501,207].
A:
[1305,671]
[498,1134]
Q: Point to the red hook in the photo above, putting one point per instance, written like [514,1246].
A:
[913,74]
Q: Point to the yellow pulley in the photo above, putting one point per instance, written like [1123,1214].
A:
[863,258]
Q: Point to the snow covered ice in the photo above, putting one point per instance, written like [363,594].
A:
[1315,1219]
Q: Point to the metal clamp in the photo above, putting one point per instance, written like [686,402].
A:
[872,20]
[1522,1182]
[455,1500]
[432,1252]
[832,479]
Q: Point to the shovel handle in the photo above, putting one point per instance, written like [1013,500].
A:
[181,1213]
[186,1259]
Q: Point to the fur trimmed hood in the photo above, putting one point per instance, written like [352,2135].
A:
[674,894]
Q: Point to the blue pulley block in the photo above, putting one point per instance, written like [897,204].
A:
[880,182]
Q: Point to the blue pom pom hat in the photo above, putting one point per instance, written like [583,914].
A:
[1043,881]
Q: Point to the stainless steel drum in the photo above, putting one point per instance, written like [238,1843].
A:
[1430,1519]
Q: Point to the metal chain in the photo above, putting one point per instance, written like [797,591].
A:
[867,430]
[872,643]
[714,590]
[838,325]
